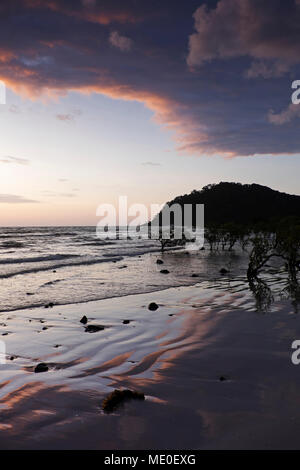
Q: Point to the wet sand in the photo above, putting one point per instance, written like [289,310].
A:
[175,355]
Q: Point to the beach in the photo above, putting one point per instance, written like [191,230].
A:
[216,373]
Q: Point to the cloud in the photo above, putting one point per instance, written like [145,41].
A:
[14,199]
[265,31]
[121,42]
[209,105]
[15,160]
[285,116]
[151,164]
[57,194]
[265,69]
[69,117]
[14,109]
[65,117]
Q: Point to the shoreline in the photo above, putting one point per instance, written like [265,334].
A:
[176,355]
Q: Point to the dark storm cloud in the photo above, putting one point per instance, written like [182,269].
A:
[216,73]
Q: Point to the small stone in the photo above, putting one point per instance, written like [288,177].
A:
[126,322]
[195,275]
[84,320]
[41,367]
[159,261]
[94,328]
[153,306]
[164,271]
[222,378]
[223,271]
[45,328]
[49,305]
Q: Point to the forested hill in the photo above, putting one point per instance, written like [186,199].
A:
[244,204]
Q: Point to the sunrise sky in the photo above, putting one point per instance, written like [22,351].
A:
[149,99]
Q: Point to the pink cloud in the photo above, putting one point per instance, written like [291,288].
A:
[238,28]
[121,42]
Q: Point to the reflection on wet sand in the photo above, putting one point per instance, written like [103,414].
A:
[215,374]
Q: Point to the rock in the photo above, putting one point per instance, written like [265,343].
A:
[126,322]
[45,328]
[118,397]
[123,267]
[222,378]
[57,346]
[159,261]
[153,306]
[49,305]
[195,275]
[164,271]
[41,367]
[29,293]
[54,271]
[84,320]
[12,358]
[202,249]
[223,271]
[94,328]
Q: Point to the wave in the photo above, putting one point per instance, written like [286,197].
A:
[12,244]
[37,259]
[57,266]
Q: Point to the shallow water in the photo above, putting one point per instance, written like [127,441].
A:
[70,264]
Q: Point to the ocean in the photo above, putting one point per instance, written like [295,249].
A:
[64,265]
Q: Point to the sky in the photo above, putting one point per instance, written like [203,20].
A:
[144,98]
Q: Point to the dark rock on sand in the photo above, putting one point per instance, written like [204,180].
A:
[41,367]
[84,320]
[159,261]
[29,293]
[223,271]
[57,346]
[153,306]
[164,271]
[195,275]
[94,328]
[118,397]
[222,378]
[49,305]
[45,328]
[126,322]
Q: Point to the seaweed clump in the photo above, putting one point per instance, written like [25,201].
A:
[117,398]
